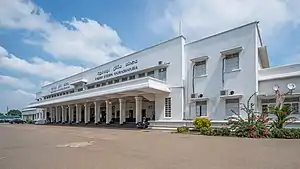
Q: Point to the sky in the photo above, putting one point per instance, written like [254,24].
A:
[44,41]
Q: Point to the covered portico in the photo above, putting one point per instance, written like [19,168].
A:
[125,102]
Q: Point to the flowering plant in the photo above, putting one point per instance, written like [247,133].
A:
[255,126]
[283,116]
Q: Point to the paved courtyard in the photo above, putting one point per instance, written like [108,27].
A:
[56,147]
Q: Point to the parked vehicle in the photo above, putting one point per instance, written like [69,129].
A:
[17,121]
[143,125]
[40,121]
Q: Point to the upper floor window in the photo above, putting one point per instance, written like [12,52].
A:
[116,81]
[142,75]
[91,87]
[103,84]
[80,89]
[98,85]
[162,74]
[200,69]
[131,77]
[151,73]
[110,82]
[124,79]
[231,62]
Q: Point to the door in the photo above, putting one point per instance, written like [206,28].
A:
[143,113]
[130,116]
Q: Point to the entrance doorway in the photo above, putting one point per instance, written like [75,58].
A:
[130,116]
[103,114]
[92,114]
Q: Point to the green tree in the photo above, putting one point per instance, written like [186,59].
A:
[1,114]
[14,112]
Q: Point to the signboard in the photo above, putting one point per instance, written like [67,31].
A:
[60,87]
[117,70]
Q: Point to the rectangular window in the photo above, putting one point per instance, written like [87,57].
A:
[200,69]
[98,85]
[201,108]
[142,75]
[232,105]
[162,74]
[91,87]
[151,73]
[124,79]
[116,81]
[103,84]
[110,82]
[132,77]
[293,102]
[231,62]
[168,107]
[72,91]
[80,89]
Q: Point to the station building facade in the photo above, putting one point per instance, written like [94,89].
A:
[173,82]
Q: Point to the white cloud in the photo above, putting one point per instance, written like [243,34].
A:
[37,66]
[83,39]
[15,99]
[206,17]
[16,83]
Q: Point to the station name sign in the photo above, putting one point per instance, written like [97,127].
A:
[117,70]
[60,87]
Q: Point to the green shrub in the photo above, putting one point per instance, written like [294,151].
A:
[283,116]
[182,129]
[201,122]
[205,131]
[224,131]
[286,133]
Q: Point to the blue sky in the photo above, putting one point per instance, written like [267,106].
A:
[43,41]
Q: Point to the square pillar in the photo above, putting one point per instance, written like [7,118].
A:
[122,110]
[86,113]
[138,109]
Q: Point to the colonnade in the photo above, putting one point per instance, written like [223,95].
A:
[66,113]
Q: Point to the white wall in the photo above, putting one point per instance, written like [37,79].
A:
[242,82]
[266,87]
[170,52]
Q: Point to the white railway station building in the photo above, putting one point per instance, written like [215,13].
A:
[173,82]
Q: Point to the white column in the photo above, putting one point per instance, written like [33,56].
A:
[70,114]
[51,114]
[89,112]
[57,116]
[62,114]
[79,112]
[122,110]
[107,112]
[86,113]
[138,109]
[96,109]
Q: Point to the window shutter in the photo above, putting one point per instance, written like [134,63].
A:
[232,104]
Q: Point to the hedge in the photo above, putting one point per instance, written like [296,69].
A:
[285,133]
